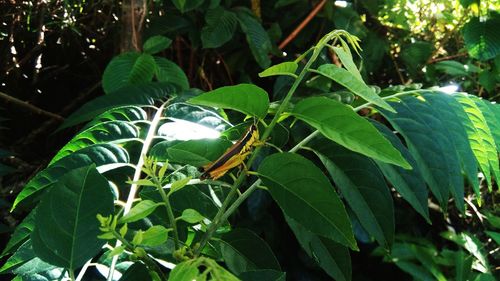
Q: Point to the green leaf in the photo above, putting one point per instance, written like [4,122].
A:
[190,270]
[481,38]
[220,27]
[345,57]
[488,110]
[24,262]
[284,68]
[415,55]
[473,246]
[353,84]
[245,98]
[354,132]
[193,152]
[480,138]
[449,111]
[126,69]
[333,258]
[155,236]
[409,183]
[177,185]
[21,234]
[105,132]
[429,143]
[438,126]
[66,230]
[257,38]
[137,271]
[184,271]
[169,72]
[156,44]
[362,186]
[137,95]
[453,68]
[304,194]
[141,210]
[264,274]
[494,235]
[242,250]
[191,216]
[463,266]
[187,5]
[100,155]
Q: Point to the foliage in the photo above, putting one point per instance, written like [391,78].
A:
[143,159]
[347,165]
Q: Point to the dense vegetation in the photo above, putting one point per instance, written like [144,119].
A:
[367,140]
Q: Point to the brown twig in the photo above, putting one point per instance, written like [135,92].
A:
[51,124]
[396,66]
[22,104]
[303,24]
[431,61]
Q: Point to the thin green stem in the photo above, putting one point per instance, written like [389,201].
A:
[170,214]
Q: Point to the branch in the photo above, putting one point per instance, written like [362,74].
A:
[431,61]
[22,104]
[303,24]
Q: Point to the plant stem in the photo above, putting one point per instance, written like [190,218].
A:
[170,215]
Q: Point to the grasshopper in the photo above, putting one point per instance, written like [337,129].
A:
[234,156]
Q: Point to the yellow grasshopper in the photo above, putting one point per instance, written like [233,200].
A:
[234,156]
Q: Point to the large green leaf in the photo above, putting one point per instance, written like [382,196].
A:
[131,95]
[101,155]
[341,124]
[353,84]
[245,98]
[480,138]
[304,194]
[192,152]
[482,39]
[169,72]
[440,127]
[257,38]
[429,143]
[363,187]
[242,250]
[409,183]
[446,107]
[220,27]
[105,132]
[333,258]
[66,227]
[127,68]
